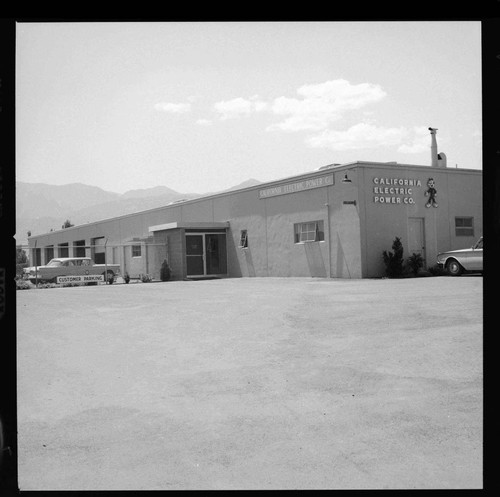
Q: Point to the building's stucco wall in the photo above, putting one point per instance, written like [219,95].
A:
[168,245]
[244,211]
[356,228]
[345,224]
[286,258]
[458,194]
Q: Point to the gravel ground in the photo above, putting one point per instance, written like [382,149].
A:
[252,383]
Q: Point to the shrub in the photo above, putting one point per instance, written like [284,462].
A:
[20,268]
[415,262]
[51,285]
[23,284]
[394,260]
[165,271]
[437,270]
[126,278]
[145,278]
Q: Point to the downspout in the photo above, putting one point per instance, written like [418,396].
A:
[105,263]
[327,205]
[36,265]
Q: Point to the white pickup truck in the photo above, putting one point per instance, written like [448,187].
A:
[72,269]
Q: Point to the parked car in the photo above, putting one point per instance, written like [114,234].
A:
[457,262]
[71,267]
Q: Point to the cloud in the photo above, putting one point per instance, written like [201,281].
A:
[173,108]
[367,135]
[239,107]
[321,104]
[420,141]
[204,122]
[359,136]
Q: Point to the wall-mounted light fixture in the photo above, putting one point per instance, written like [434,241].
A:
[346,179]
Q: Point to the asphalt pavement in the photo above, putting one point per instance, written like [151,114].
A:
[251,383]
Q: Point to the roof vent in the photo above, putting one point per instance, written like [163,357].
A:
[442,159]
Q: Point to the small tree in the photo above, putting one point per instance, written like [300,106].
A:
[21,261]
[21,257]
[67,224]
[415,262]
[165,272]
[394,260]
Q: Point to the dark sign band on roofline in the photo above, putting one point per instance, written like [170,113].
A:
[298,186]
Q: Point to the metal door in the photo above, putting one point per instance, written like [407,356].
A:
[416,237]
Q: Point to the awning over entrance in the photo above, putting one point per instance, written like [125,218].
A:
[189,225]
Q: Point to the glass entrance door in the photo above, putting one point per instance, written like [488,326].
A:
[195,259]
[215,245]
[206,254]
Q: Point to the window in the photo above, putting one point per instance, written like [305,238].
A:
[79,248]
[309,232]
[63,250]
[464,226]
[98,250]
[136,251]
[243,239]
[49,253]
[37,256]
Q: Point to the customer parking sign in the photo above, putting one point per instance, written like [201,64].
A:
[80,279]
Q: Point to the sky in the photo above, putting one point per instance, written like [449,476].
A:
[203,106]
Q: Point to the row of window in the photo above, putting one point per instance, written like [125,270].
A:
[79,250]
[63,250]
[313,231]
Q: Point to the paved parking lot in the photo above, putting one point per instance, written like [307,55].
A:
[252,383]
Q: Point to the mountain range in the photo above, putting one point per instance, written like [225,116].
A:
[41,207]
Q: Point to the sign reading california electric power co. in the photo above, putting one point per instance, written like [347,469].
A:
[298,186]
[395,190]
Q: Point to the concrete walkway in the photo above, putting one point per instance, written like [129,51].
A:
[255,383]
